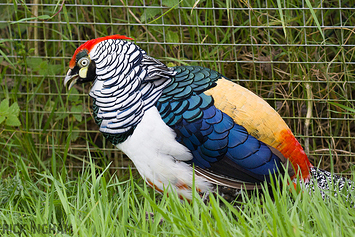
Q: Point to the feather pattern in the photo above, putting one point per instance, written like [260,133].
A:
[126,73]
[211,135]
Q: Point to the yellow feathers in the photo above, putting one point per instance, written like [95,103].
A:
[260,120]
[248,110]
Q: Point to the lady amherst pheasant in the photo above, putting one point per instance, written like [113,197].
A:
[176,122]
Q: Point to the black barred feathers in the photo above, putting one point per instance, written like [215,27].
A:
[327,182]
[128,83]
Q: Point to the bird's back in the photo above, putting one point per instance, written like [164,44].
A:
[231,132]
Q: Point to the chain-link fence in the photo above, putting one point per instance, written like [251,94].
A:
[297,55]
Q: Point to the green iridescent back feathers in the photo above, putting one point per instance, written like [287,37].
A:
[183,97]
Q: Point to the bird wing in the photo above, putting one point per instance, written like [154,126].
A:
[223,150]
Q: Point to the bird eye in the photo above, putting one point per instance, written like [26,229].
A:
[83,62]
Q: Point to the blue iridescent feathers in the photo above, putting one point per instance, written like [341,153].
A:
[216,142]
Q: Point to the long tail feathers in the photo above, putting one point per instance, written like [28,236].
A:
[329,184]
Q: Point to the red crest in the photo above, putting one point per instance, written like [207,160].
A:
[88,45]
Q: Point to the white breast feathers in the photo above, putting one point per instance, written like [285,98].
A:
[159,157]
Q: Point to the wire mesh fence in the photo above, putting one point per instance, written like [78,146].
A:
[297,55]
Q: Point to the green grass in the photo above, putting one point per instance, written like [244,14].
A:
[98,204]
